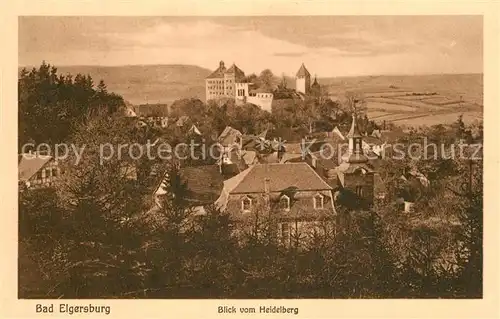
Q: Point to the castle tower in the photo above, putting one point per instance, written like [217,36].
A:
[303,80]
[315,88]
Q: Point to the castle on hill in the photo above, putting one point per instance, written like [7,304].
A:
[231,83]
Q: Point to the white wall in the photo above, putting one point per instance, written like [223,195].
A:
[264,103]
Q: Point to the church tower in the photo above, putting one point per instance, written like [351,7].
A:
[315,88]
[303,80]
[356,175]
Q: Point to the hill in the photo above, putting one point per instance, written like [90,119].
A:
[469,86]
[142,84]
[405,99]
[416,100]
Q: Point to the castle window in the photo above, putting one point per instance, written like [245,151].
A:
[285,203]
[318,201]
[246,204]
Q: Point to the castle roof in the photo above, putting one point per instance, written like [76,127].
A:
[303,71]
[315,83]
[236,70]
[219,73]
[221,70]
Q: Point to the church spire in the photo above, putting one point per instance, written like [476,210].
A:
[354,131]
[355,153]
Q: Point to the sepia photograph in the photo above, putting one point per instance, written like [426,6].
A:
[249,157]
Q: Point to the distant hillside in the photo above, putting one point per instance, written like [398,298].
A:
[152,84]
[142,84]
[469,86]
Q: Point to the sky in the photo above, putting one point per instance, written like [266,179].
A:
[329,46]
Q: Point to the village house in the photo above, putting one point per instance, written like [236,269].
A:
[37,171]
[204,184]
[412,186]
[295,197]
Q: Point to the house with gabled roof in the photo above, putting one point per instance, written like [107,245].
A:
[204,184]
[230,137]
[37,170]
[294,196]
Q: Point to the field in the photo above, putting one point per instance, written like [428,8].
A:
[416,100]
[407,99]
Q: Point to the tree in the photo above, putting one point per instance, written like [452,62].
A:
[266,80]
[354,102]
[252,78]
[103,240]
[101,88]
[40,242]
[51,106]
[470,232]
[213,269]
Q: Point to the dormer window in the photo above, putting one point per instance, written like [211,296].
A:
[318,201]
[246,204]
[285,203]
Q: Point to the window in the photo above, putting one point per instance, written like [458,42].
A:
[54,172]
[284,232]
[246,204]
[318,201]
[285,202]
[359,191]
[357,144]
[39,175]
